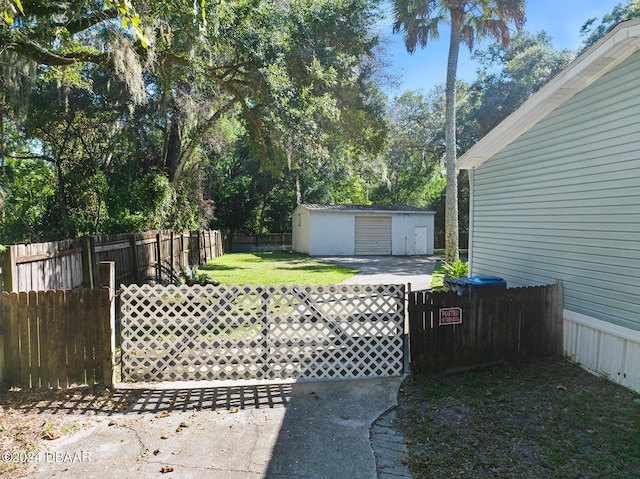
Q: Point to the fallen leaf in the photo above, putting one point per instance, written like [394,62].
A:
[176,452]
[166,469]
[156,452]
[183,424]
[234,410]
[52,435]
[344,417]
[164,436]
[593,431]
[163,414]
[178,429]
[560,387]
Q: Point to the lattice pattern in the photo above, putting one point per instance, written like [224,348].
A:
[172,333]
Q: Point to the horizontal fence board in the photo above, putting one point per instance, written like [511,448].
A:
[497,325]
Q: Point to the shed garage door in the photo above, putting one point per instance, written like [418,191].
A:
[373,235]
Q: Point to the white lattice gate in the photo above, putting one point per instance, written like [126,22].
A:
[172,333]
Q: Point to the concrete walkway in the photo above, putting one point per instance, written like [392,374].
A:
[287,430]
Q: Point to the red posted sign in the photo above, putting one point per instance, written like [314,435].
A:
[450,316]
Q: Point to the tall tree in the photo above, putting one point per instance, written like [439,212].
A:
[470,21]
[296,76]
[507,77]
[415,148]
[621,12]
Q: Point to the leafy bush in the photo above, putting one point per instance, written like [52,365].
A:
[459,269]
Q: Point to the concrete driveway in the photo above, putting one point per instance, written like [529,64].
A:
[415,270]
[287,430]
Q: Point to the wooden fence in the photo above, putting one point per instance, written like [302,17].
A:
[72,264]
[497,325]
[59,338]
[263,242]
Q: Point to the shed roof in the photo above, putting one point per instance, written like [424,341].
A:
[366,208]
[606,54]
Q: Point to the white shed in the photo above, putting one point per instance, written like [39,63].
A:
[350,230]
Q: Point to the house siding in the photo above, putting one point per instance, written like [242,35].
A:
[562,202]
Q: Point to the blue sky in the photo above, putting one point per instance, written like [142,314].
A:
[561,19]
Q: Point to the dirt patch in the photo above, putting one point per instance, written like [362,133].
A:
[539,420]
[32,419]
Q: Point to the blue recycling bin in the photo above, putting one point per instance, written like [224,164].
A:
[466,285]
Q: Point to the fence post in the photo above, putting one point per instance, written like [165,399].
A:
[11,269]
[185,248]
[134,258]
[158,256]
[107,275]
[171,245]
[88,277]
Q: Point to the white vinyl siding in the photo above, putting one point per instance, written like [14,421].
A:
[373,235]
[562,202]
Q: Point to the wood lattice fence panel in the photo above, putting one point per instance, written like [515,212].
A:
[176,333]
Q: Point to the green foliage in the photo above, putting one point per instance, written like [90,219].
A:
[180,276]
[458,269]
[443,270]
[508,76]
[414,151]
[26,192]
[623,11]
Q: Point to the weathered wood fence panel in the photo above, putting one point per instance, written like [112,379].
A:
[498,325]
[58,338]
[262,242]
[73,264]
[42,266]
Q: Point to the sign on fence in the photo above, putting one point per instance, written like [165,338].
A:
[450,316]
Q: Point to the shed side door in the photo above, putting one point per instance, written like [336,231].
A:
[373,235]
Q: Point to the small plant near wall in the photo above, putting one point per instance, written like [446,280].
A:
[459,269]
[443,270]
[182,275]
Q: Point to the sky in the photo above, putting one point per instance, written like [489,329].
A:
[425,68]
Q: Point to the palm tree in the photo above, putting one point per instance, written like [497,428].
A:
[471,21]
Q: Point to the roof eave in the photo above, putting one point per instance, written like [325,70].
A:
[606,54]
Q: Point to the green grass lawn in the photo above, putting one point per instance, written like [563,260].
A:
[274,268]
[539,420]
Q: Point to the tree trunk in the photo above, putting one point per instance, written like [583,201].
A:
[451,202]
[174,147]
[62,198]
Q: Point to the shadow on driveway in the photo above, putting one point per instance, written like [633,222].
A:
[287,430]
